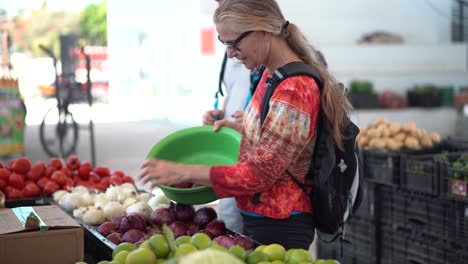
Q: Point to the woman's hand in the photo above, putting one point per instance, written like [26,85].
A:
[163,172]
[234,125]
[211,116]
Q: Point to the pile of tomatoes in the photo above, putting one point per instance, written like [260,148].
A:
[20,179]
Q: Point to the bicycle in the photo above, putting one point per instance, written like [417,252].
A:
[61,141]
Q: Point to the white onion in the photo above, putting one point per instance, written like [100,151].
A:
[93,216]
[101,202]
[129,202]
[113,210]
[71,201]
[141,208]
[158,200]
[80,189]
[127,185]
[58,195]
[144,197]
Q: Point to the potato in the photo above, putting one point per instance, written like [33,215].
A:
[409,127]
[373,133]
[435,137]
[383,130]
[377,143]
[400,136]
[393,145]
[362,142]
[381,121]
[426,141]
[394,128]
[412,143]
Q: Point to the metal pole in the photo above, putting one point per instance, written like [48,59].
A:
[460,18]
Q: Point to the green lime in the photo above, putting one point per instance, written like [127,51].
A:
[256,257]
[182,240]
[146,244]
[123,246]
[121,256]
[238,251]
[140,255]
[185,249]
[260,248]
[201,240]
[274,252]
[298,256]
[288,253]
[160,246]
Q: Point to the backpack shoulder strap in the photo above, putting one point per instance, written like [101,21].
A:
[289,70]
[221,76]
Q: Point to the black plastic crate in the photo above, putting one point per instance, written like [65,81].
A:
[362,229]
[400,246]
[96,246]
[382,167]
[421,214]
[458,227]
[367,207]
[33,201]
[364,100]
[420,173]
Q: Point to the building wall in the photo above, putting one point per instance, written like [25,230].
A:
[156,62]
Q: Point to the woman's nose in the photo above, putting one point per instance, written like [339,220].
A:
[230,52]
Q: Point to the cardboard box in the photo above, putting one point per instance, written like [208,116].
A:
[59,241]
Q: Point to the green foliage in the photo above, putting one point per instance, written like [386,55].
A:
[93,24]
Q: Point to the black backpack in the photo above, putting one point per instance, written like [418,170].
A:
[337,191]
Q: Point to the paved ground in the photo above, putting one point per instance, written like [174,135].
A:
[119,145]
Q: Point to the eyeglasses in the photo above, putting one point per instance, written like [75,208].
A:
[234,44]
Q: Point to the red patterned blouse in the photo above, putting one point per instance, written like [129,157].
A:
[285,141]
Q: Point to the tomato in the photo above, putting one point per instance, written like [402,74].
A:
[49,170]
[50,188]
[100,186]
[105,181]
[55,162]
[36,171]
[94,177]
[13,193]
[84,170]
[115,180]
[17,180]
[42,182]
[31,190]
[102,171]
[119,173]
[69,181]
[5,174]
[3,184]
[84,183]
[129,179]
[58,177]
[9,165]
[1,165]
[66,171]
[21,165]
[73,162]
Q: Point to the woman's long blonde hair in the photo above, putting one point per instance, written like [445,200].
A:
[266,16]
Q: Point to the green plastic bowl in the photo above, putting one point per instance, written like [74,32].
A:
[197,145]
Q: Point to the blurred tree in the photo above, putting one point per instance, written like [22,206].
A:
[93,24]
[32,28]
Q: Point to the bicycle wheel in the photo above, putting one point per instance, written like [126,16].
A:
[55,129]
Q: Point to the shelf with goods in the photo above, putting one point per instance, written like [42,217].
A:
[12,110]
